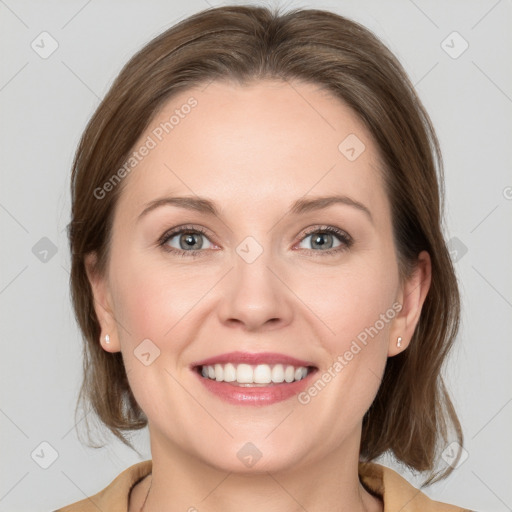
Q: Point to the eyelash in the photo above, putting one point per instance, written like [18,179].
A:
[343,237]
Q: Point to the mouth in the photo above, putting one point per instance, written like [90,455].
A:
[254,379]
[248,375]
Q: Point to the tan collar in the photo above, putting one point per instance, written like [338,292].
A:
[397,493]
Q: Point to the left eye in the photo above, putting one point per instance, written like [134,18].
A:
[323,240]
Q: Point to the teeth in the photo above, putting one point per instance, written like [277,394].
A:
[229,373]
[254,374]
[262,374]
[298,374]
[289,374]
[278,373]
[219,372]
[244,374]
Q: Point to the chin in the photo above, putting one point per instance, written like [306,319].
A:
[251,455]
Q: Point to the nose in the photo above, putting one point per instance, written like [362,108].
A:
[255,296]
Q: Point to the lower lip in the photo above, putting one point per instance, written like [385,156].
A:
[257,395]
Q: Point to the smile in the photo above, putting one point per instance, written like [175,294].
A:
[248,375]
[254,379]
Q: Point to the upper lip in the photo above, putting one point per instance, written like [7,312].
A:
[252,358]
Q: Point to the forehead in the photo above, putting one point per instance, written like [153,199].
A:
[270,141]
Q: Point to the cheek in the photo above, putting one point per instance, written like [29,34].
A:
[350,301]
[140,301]
[151,299]
[355,306]
[153,303]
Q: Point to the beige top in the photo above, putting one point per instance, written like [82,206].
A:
[397,494]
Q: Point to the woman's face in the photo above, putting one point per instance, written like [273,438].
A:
[268,275]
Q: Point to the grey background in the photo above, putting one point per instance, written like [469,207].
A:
[45,104]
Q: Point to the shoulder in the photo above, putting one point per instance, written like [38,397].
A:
[397,493]
[114,497]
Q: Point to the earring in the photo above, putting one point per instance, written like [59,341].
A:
[399,342]
[107,339]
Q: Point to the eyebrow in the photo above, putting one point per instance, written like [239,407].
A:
[299,207]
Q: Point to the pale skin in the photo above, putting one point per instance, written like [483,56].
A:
[254,150]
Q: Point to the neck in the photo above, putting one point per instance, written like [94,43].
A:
[185,483]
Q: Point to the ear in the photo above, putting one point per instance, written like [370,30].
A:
[102,305]
[412,296]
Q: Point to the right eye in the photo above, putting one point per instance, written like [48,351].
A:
[185,241]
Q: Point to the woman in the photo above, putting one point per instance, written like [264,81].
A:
[259,271]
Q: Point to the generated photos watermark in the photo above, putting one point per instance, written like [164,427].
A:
[151,142]
[344,359]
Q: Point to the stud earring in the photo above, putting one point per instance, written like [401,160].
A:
[399,342]
[107,339]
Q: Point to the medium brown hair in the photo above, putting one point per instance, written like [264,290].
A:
[412,415]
